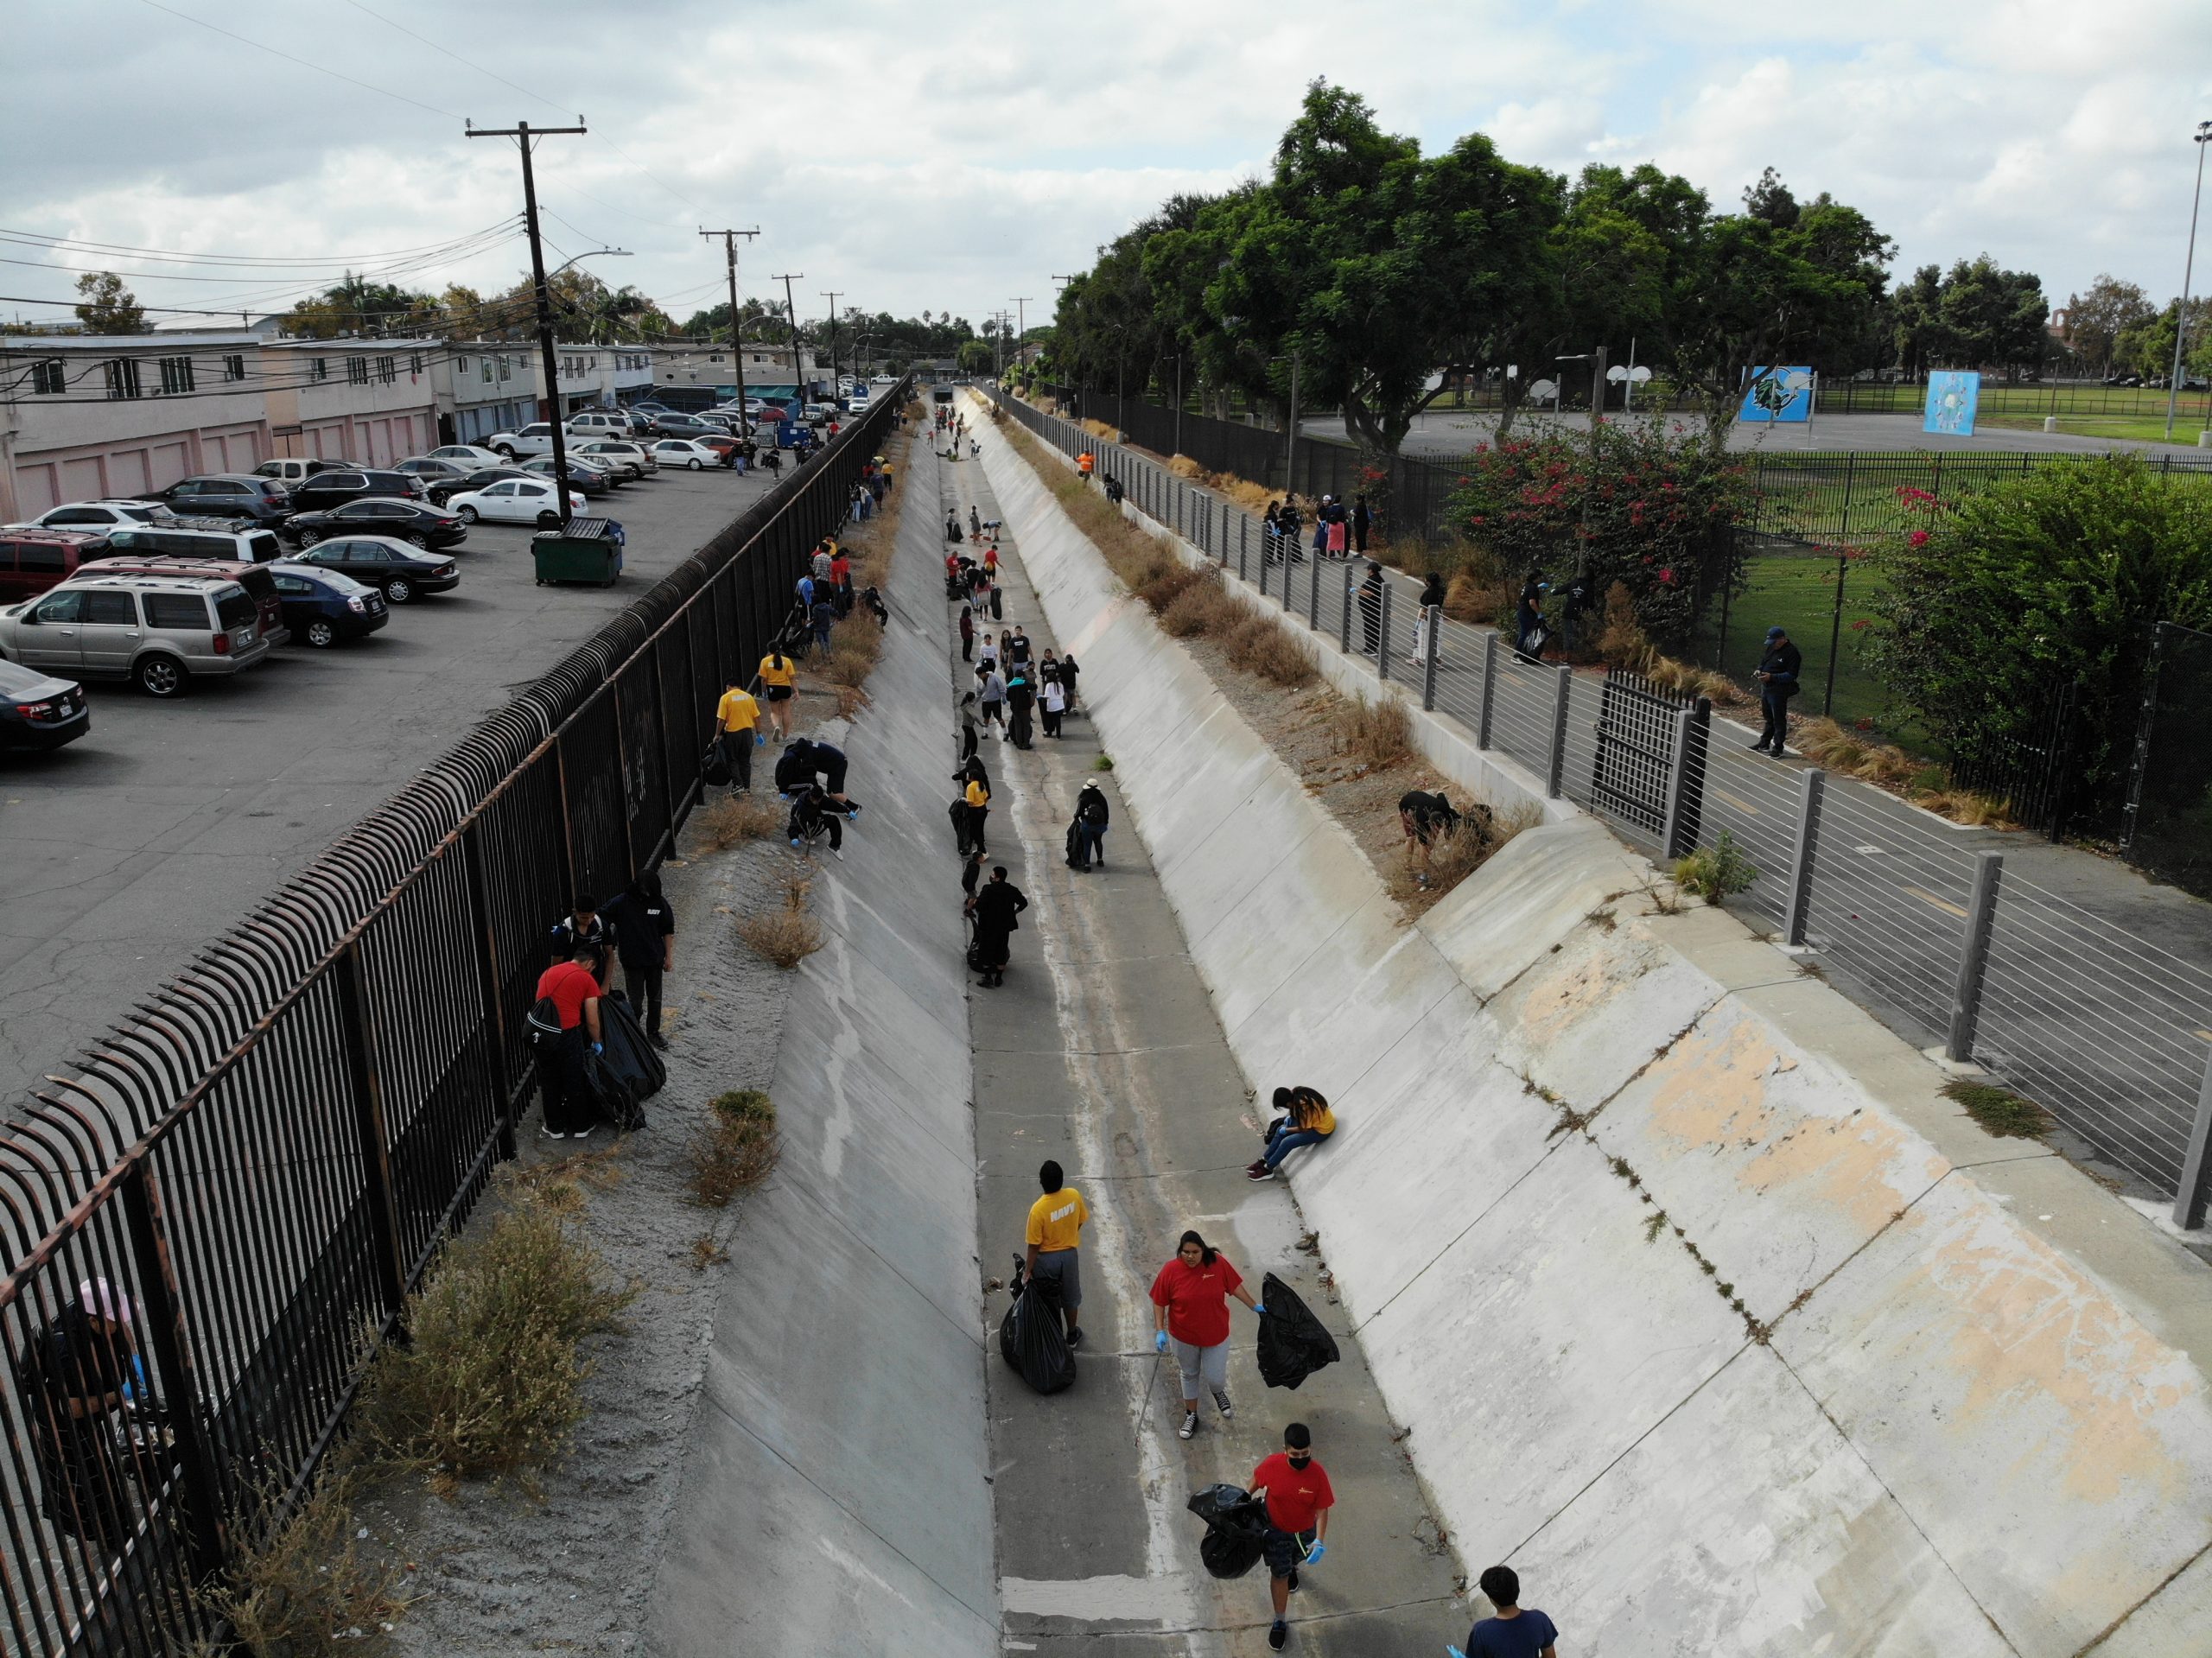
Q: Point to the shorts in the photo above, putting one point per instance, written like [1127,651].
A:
[1208,1365]
[778,693]
[1064,1266]
[1285,1550]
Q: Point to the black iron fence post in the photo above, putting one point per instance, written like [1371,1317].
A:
[162,1302]
[2145,723]
[364,1083]
[1490,687]
[1383,637]
[487,973]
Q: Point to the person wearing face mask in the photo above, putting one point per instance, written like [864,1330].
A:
[1298,1500]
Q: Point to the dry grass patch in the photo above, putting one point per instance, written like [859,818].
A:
[735,1149]
[1852,754]
[854,647]
[1203,607]
[492,1379]
[735,820]
[1455,857]
[1376,733]
[786,935]
[1470,598]
[1260,644]
[299,1587]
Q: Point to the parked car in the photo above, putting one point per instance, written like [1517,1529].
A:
[254,578]
[469,457]
[722,444]
[227,495]
[861,398]
[38,711]
[514,500]
[590,479]
[597,423]
[248,546]
[97,516]
[160,632]
[641,422]
[431,470]
[412,522]
[683,451]
[292,470]
[679,425]
[536,438]
[31,561]
[630,461]
[328,489]
[818,414]
[323,606]
[401,573]
[442,494]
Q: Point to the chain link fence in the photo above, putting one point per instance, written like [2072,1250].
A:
[2107,1033]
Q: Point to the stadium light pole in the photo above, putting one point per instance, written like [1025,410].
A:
[2187,269]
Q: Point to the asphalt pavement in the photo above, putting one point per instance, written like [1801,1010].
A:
[165,826]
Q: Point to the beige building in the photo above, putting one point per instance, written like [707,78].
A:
[369,401]
[712,364]
[87,415]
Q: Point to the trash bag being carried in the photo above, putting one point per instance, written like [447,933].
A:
[635,1071]
[1030,1336]
[714,767]
[1237,1529]
[1293,1343]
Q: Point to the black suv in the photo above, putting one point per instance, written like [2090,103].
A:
[328,489]
[227,495]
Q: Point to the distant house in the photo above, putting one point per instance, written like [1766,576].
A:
[369,401]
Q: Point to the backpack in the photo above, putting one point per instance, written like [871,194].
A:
[1090,807]
[543,1026]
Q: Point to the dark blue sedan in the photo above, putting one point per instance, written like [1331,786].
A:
[323,607]
[38,711]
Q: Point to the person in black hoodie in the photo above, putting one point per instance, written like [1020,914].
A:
[1091,817]
[644,938]
[996,905]
[1777,675]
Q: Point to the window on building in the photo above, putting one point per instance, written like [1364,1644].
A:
[321,371]
[414,362]
[388,369]
[176,375]
[234,366]
[487,370]
[121,376]
[505,372]
[357,371]
[49,378]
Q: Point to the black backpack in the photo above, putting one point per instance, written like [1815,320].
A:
[542,1026]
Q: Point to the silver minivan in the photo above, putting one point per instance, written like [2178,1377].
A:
[157,631]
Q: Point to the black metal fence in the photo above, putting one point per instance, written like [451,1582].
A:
[1925,927]
[212,1220]
[2169,815]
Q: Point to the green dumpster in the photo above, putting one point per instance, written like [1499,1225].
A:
[587,550]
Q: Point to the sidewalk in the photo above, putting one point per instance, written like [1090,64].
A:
[1102,1051]
[2096,998]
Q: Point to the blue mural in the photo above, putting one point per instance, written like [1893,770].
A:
[1952,399]
[1784,394]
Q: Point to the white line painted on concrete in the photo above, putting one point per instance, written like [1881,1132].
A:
[1099,1600]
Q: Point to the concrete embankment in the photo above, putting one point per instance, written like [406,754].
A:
[1707,1310]
[837,1498]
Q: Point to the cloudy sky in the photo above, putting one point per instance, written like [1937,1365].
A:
[953,156]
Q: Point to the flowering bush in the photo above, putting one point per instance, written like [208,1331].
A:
[1626,505]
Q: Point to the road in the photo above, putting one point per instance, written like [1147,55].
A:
[168,823]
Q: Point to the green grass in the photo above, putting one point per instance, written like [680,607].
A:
[1998,1110]
[2140,429]
[1796,593]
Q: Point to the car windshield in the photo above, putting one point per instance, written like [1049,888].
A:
[339,582]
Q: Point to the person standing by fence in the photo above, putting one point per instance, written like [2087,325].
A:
[1777,674]
[777,673]
[737,731]
[1432,613]
[1363,520]
[573,992]
[644,938]
[1370,608]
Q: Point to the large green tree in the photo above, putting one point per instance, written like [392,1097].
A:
[108,307]
[2096,318]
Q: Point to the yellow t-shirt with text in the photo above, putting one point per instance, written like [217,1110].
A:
[772,675]
[737,711]
[1055,1218]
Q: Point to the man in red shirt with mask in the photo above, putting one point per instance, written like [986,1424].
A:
[1299,1501]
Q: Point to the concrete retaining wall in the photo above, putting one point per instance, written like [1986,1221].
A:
[1707,1310]
[836,1500]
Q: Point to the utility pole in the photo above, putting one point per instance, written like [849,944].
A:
[523,132]
[792,311]
[2188,271]
[998,346]
[736,342]
[1021,327]
[831,295]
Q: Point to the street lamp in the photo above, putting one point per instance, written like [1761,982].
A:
[2187,269]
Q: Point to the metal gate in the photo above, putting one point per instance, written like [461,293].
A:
[1635,756]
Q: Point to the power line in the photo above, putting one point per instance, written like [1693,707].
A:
[73,245]
[263,46]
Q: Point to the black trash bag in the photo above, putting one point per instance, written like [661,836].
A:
[635,1071]
[714,768]
[1293,1342]
[610,1095]
[1237,1529]
[1031,1338]
[1076,857]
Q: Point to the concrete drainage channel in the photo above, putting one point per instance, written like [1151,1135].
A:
[1703,1308]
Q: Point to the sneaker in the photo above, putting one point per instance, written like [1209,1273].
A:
[1278,1636]
[1255,1165]
[551,1133]
[583,1134]
[1757,748]
[1189,1426]
[1227,1410]
[1263,1173]
[658,1041]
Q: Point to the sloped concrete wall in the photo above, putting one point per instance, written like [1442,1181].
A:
[1705,1309]
[836,1499]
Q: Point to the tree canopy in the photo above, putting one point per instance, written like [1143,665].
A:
[108,307]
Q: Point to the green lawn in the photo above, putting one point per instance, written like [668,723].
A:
[2141,428]
[1797,593]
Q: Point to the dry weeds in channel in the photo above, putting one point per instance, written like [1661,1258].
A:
[1852,754]
[300,1587]
[1376,733]
[735,1150]
[492,1379]
[1451,861]
[735,820]
[854,648]
[786,935]
[1262,646]
[1204,608]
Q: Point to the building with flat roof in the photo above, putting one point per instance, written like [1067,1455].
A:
[368,400]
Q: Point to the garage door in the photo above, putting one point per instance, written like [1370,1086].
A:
[87,480]
[36,489]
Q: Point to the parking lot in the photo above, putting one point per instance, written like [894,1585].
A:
[161,829]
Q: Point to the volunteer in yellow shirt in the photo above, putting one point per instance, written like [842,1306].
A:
[1307,1119]
[979,811]
[1055,1226]
[737,728]
[778,673]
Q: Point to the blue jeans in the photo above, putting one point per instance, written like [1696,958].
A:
[1285,1140]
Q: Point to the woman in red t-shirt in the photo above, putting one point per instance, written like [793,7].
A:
[1189,1300]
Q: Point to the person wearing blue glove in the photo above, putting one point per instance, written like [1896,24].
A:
[1513,1631]
[572,985]
[1190,1304]
[1299,1498]
[737,717]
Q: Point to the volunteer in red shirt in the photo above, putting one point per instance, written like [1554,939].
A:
[574,987]
[1299,1501]
[1189,1308]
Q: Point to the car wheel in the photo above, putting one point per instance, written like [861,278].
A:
[416,539]
[399,590]
[321,634]
[466,515]
[160,676]
[505,452]
[695,464]
[308,537]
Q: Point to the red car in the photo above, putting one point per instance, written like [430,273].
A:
[31,561]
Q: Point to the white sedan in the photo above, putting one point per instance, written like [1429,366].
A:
[469,457]
[512,500]
[683,451]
